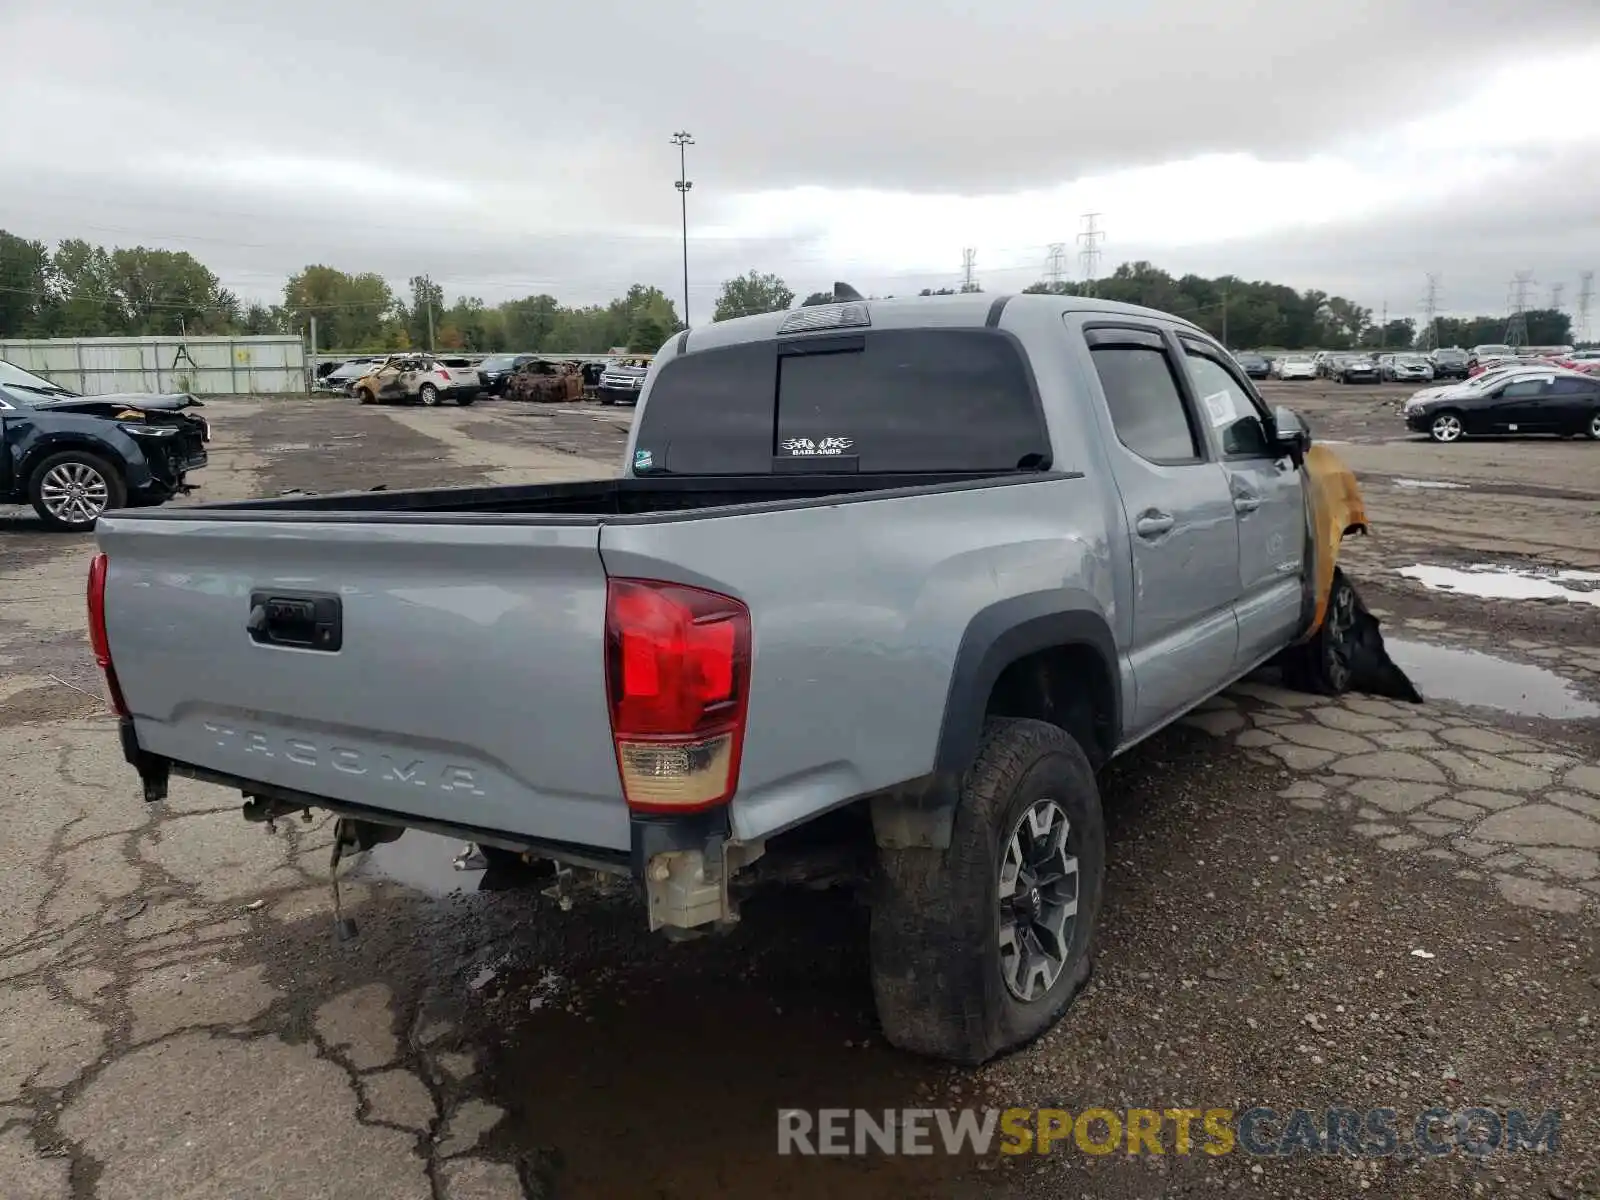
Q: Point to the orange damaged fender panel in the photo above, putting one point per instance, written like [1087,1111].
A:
[1333,509]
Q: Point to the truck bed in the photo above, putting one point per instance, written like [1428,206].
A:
[444,657]
[585,502]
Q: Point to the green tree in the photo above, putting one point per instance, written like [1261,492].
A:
[750,294]
[25,298]
[816,298]
[85,300]
[353,312]
[168,291]
[426,309]
[1399,334]
[529,322]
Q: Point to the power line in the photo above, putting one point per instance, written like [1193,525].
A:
[1585,300]
[1089,250]
[969,282]
[1430,314]
[1055,264]
[1522,283]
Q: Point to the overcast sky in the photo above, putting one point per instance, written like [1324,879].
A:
[509,148]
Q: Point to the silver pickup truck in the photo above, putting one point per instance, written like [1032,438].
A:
[881,586]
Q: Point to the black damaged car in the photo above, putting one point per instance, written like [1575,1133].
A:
[73,457]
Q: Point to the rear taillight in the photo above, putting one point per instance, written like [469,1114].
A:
[678,677]
[98,641]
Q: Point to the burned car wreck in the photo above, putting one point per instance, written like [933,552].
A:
[75,457]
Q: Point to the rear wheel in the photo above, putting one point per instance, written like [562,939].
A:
[1592,430]
[70,490]
[428,394]
[980,948]
[1446,427]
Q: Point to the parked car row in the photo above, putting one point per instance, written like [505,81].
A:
[1357,366]
[429,379]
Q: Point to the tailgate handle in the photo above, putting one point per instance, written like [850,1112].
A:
[300,620]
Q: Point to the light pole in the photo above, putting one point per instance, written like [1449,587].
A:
[681,140]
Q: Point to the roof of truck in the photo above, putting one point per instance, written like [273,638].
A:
[970,310]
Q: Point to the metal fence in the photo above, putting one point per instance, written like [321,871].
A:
[208,365]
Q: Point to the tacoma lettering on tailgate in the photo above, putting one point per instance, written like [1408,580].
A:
[419,772]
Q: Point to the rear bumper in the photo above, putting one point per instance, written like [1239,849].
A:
[706,834]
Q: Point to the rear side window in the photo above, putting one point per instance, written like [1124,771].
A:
[711,413]
[922,400]
[913,400]
[1146,405]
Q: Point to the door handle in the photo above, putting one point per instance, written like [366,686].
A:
[1246,504]
[1153,524]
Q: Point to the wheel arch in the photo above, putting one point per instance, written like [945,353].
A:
[1049,655]
[55,443]
[1334,511]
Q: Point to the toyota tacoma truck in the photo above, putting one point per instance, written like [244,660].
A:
[881,586]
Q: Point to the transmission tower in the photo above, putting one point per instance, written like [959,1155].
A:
[969,282]
[1089,250]
[1430,315]
[1585,300]
[1055,264]
[1558,292]
[1517,327]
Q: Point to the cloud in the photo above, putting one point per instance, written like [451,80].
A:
[518,149]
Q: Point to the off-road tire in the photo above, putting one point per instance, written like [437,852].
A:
[365,396]
[1321,665]
[428,394]
[935,932]
[116,490]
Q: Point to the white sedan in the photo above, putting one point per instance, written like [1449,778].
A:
[1295,367]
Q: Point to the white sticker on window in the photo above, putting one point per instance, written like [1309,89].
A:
[1220,406]
[827,445]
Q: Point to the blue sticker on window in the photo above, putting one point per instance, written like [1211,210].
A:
[643,460]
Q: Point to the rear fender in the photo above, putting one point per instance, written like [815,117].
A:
[922,813]
[1334,508]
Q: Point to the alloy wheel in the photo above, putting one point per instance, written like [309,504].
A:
[74,493]
[1038,900]
[1446,427]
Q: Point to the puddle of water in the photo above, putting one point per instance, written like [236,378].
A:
[1474,678]
[419,860]
[1430,484]
[726,1033]
[1509,583]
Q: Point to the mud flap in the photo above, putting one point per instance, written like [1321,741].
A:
[1371,669]
[1347,653]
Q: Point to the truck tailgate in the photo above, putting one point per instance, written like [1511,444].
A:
[468,684]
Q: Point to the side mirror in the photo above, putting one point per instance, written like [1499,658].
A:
[1290,433]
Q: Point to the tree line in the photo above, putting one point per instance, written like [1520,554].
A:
[85,290]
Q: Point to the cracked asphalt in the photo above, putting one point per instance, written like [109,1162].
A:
[177,1020]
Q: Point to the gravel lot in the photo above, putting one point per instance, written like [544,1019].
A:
[176,1019]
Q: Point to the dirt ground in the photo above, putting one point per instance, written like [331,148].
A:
[177,1020]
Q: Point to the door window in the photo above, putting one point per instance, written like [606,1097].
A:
[1146,404]
[1523,389]
[1227,405]
[1573,387]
